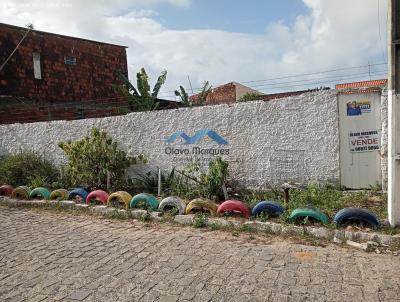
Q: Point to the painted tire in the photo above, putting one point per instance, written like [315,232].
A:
[308,212]
[21,192]
[354,215]
[121,196]
[175,202]
[59,194]
[98,195]
[82,193]
[6,190]
[39,192]
[272,208]
[234,206]
[202,204]
[144,197]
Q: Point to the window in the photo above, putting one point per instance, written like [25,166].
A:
[69,60]
[80,113]
[37,72]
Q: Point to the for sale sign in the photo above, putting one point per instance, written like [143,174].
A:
[364,141]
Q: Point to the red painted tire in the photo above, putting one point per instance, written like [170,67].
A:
[98,195]
[234,206]
[6,190]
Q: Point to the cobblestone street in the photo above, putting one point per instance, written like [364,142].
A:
[45,256]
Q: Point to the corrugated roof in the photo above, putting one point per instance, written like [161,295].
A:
[372,83]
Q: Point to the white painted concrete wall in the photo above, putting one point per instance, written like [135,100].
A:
[384,139]
[294,138]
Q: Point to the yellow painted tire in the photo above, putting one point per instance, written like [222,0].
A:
[121,196]
[59,194]
[21,192]
[202,204]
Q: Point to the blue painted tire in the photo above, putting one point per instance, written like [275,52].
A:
[272,208]
[82,193]
[348,215]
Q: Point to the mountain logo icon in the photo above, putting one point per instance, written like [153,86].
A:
[197,137]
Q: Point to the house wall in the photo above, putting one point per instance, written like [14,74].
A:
[290,139]
[241,90]
[90,79]
[225,94]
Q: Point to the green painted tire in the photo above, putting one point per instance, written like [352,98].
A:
[40,192]
[59,194]
[308,212]
[21,192]
[151,201]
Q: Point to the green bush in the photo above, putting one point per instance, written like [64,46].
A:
[27,168]
[93,157]
[195,182]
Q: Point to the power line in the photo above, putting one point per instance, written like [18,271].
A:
[324,82]
[310,82]
[313,79]
[296,75]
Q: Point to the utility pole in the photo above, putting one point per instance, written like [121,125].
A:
[393,33]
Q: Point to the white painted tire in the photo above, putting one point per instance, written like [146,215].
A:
[175,202]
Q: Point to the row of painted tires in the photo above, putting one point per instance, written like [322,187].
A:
[271,208]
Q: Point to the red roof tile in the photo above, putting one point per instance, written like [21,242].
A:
[372,83]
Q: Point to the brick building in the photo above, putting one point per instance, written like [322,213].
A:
[231,93]
[225,94]
[52,76]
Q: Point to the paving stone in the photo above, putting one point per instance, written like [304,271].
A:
[47,256]
[168,298]
[80,295]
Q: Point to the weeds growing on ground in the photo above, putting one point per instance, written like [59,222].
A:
[199,220]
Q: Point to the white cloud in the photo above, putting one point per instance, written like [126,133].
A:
[334,34]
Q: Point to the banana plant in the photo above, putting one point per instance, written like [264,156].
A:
[141,97]
[196,100]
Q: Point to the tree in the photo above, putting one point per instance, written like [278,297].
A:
[250,96]
[91,158]
[196,100]
[141,97]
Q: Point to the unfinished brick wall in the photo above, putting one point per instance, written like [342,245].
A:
[88,80]
[225,94]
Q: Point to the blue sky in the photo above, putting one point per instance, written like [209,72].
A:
[232,16]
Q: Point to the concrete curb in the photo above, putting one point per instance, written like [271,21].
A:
[336,236]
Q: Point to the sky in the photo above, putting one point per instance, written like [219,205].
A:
[269,45]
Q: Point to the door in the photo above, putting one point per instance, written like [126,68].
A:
[360,136]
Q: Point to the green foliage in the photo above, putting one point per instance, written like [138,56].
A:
[198,99]
[252,197]
[216,176]
[146,217]
[148,182]
[202,96]
[27,168]
[185,100]
[199,220]
[90,158]
[190,183]
[250,96]
[324,197]
[195,182]
[141,97]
